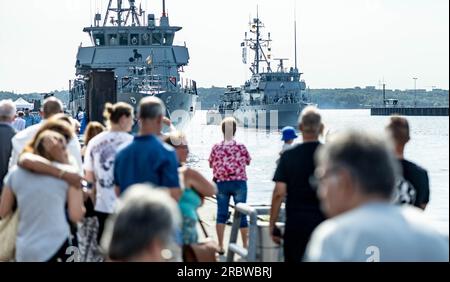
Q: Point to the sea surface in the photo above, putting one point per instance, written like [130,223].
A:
[429,147]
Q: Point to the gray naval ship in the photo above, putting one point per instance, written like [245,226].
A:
[271,98]
[141,61]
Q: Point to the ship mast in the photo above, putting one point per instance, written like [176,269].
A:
[258,45]
[120,10]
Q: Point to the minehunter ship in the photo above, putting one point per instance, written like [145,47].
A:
[271,98]
[141,59]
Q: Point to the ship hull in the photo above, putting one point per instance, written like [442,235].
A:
[179,105]
[274,116]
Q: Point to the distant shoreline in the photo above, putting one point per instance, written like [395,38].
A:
[339,98]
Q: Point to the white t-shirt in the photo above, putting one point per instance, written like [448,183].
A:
[19,124]
[21,139]
[99,159]
[378,232]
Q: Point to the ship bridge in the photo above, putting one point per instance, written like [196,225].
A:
[127,38]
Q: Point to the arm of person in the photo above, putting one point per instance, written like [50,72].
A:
[75,204]
[175,193]
[169,171]
[425,193]
[277,198]
[117,190]
[211,157]
[204,187]
[41,165]
[7,202]
[248,159]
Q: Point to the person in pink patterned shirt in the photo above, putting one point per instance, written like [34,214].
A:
[228,159]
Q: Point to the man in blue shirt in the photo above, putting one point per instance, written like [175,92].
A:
[147,159]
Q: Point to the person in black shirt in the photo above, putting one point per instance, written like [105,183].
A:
[398,128]
[292,178]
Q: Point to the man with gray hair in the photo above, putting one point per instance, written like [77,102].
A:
[356,174]
[7,132]
[50,107]
[143,227]
[292,176]
[148,159]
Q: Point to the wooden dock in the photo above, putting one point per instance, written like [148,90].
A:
[387,111]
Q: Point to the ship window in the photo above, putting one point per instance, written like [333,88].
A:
[156,38]
[123,39]
[168,39]
[134,39]
[112,39]
[145,39]
[99,40]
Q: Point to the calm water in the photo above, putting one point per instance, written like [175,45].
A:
[429,147]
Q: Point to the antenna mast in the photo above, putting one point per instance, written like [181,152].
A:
[120,11]
[295,36]
[258,45]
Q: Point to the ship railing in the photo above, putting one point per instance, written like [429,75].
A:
[260,245]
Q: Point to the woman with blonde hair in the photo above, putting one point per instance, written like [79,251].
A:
[43,232]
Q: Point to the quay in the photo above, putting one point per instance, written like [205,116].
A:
[387,111]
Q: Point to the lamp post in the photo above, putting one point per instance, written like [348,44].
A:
[415,91]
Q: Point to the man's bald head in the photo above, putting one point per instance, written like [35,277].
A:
[51,107]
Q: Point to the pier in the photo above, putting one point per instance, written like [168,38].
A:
[387,111]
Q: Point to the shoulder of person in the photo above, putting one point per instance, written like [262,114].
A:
[414,166]
[416,218]
[27,133]
[189,172]
[98,138]
[324,243]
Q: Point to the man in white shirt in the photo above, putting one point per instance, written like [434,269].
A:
[19,122]
[357,174]
[50,107]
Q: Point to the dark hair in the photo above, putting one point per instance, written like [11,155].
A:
[20,114]
[368,159]
[399,129]
[113,113]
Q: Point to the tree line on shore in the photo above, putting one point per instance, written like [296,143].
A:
[344,98]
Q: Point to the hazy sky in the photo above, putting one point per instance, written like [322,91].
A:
[342,43]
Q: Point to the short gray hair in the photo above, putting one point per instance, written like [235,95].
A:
[151,108]
[311,120]
[145,215]
[367,157]
[7,109]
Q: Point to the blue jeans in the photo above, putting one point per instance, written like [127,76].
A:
[237,189]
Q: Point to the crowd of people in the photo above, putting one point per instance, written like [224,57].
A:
[119,197]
